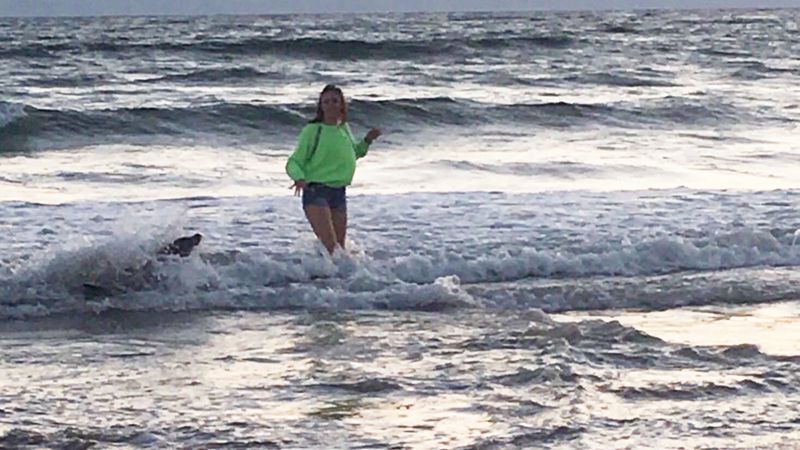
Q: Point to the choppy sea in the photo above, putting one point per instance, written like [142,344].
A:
[542,178]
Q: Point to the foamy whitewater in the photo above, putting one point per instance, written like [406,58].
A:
[579,230]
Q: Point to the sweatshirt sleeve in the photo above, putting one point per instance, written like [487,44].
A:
[295,166]
[361,147]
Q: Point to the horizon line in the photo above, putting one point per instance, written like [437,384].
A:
[509,11]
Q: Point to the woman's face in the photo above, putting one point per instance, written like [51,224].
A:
[331,105]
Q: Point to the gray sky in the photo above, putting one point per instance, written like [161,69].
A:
[182,7]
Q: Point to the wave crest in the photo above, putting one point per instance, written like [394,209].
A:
[10,112]
[306,47]
[655,273]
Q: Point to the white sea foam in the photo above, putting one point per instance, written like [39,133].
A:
[584,251]
[10,112]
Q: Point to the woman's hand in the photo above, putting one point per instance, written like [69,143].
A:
[372,135]
[298,187]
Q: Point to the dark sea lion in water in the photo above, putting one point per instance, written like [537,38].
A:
[182,247]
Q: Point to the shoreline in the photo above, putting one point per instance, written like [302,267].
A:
[773,327]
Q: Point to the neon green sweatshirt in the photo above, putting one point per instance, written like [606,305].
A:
[333,162]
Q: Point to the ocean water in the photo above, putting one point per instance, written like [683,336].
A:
[548,187]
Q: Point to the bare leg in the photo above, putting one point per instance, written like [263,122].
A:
[339,217]
[320,219]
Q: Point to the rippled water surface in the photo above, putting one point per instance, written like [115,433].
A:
[386,380]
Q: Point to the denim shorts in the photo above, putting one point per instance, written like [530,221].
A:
[318,194]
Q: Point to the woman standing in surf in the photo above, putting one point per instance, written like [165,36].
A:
[323,164]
